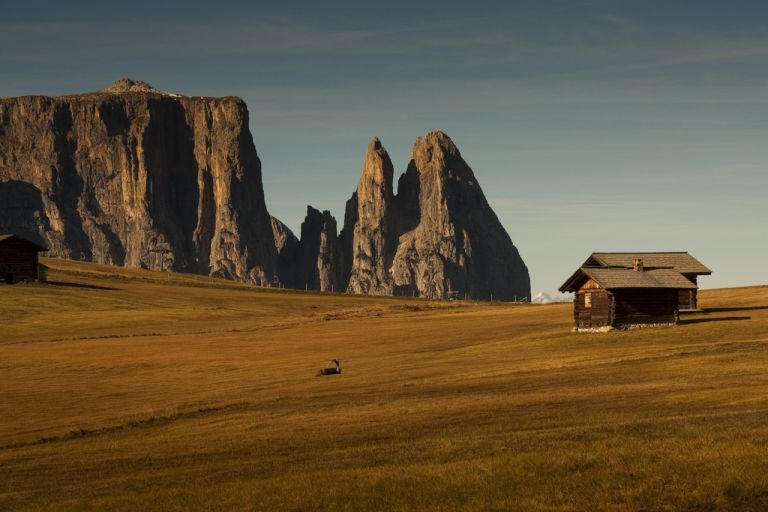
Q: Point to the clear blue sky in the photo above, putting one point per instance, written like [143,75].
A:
[591,125]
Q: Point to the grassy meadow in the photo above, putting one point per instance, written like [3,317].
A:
[135,390]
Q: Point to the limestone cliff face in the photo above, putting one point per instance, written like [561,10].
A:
[438,236]
[131,176]
[371,252]
[458,243]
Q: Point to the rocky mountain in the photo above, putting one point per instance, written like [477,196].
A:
[437,237]
[372,225]
[132,176]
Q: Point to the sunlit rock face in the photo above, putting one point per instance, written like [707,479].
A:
[437,237]
[136,177]
[373,239]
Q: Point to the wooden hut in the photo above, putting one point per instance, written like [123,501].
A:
[620,290]
[18,259]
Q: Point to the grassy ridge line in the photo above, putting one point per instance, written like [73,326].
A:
[81,270]
[44,312]
[86,301]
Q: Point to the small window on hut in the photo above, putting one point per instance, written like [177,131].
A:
[587,300]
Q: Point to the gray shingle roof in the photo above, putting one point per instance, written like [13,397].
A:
[660,270]
[612,278]
[680,261]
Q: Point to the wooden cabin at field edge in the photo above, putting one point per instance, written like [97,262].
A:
[18,259]
[621,290]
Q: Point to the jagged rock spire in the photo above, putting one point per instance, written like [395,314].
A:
[437,237]
[457,245]
[371,244]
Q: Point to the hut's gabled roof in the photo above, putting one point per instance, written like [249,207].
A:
[613,270]
[612,278]
[8,236]
[680,261]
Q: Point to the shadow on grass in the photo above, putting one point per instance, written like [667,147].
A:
[742,308]
[81,285]
[719,319]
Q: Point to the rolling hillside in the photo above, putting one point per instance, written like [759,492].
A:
[136,390]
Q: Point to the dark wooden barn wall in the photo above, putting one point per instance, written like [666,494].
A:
[645,306]
[18,261]
[598,315]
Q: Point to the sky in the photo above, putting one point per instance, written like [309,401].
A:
[590,125]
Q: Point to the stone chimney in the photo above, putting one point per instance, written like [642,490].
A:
[637,265]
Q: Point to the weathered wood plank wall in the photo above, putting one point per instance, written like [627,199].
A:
[592,307]
[18,261]
[645,306]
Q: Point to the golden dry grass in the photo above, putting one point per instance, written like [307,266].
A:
[131,390]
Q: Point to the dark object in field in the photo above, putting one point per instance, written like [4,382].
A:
[330,370]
